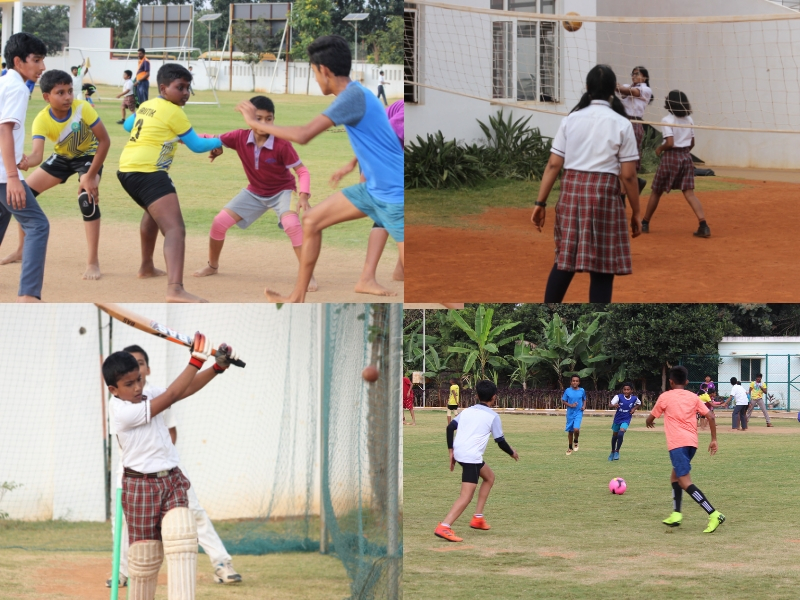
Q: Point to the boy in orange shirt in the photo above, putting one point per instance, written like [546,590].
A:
[680,407]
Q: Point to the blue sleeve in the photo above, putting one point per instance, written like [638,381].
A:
[197,144]
[128,124]
[564,397]
[349,107]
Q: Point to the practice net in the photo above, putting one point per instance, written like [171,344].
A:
[739,72]
[295,452]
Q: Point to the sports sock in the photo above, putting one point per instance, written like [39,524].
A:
[677,494]
[601,286]
[620,437]
[446,525]
[557,285]
[644,221]
[575,438]
[480,515]
[698,497]
[613,443]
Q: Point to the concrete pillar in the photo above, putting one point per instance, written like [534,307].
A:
[76,14]
[18,16]
[7,23]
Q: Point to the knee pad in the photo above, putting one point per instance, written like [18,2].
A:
[293,228]
[222,222]
[179,534]
[144,562]
[89,209]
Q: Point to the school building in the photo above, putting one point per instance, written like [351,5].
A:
[539,65]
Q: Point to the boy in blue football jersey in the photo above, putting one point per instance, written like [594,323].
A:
[626,404]
[575,399]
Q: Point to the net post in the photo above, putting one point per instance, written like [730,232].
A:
[117,546]
[323,425]
[395,408]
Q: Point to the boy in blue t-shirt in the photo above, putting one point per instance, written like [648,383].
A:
[626,404]
[575,399]
[375,145]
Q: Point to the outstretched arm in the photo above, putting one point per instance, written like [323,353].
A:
[302,134]
[199,145]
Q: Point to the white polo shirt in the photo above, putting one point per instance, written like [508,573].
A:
[634,106]
[144,440]
[14,96]
[474,426]
[739,395]
[681,136]
[595,139]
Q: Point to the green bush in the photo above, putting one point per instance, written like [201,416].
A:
[652,140]
[514,150]
[437,164]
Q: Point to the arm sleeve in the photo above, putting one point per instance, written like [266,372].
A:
[128,415]
[128,124]
[304,179]
[349,107]
[451,429]
[667,130]
[13,105]
[559,146]
[197,144]
[501,441]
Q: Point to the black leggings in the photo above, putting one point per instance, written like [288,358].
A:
[600,287]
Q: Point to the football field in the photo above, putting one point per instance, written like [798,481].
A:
[557,531]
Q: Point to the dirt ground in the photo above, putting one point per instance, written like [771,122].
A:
[247,266]
[498,256]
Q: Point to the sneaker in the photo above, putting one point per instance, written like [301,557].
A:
[769,424]
[225,573]
[611,456]
[673,520]
[702,231]
[642,184]
[645,227]
[479,523]
[616,455]
[715,519]
[123,581]
[569,451]
[446,534]
[575,446]
[121,122]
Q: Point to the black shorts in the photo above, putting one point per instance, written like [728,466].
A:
[146,188]
[470,472]
[63,168]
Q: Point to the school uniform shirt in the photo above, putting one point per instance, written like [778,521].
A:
[739,395]
[595,139]
[267,167]
[680,408]
[145,443]
[374,143]
[475,424]
[634,106]
[154,138]
[624,407]
[73,134]
[681,136]
[14,96]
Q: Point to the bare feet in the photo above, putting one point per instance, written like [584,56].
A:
[312,285]
[372,287]
[273,296]
[176,293]
[15,256]
[206,271]
[22,299]
[92,272]
[151,271]
[399,272]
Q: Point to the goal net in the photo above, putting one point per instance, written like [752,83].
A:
[295,452]
[740,72]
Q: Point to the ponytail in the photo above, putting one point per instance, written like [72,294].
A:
[601,83]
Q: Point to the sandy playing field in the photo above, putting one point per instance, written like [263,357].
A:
[498,256]
[247,266]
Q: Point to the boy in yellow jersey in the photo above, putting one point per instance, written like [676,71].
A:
[81,146]
[452,401]
[156,129]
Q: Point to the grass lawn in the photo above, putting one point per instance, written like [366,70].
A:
[205,188]
[442,208]
[557,532]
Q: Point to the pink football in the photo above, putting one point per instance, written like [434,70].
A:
[617,486]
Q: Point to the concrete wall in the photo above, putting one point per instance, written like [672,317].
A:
[780,364]
[735,75]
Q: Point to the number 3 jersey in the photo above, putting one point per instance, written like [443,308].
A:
[154,137]
[73,135]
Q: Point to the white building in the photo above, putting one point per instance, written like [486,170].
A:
[735,75]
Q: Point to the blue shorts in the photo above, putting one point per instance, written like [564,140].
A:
[682,459]
[574,420]
[617,426]
[390,216]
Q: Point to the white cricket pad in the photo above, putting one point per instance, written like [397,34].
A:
[144,562]
[179,534]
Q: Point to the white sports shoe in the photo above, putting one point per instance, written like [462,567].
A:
[225,573]
[123,581]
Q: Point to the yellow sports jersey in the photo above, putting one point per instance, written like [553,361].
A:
[705,398]
[154,138]
[453,399]
[756,393]
[73,136]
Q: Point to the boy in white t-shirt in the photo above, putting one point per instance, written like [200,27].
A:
[207,536]
[741,402]
[128,101]
[154,490]
[476,424]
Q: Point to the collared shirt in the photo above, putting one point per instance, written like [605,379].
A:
[681,136]
[595,139]
[267,167]
[14,96]
[475,424]
[634,106]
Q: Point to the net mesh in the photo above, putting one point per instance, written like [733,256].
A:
[272,450]
[739,72]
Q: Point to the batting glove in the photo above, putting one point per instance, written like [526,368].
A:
[201,347]
[224,356]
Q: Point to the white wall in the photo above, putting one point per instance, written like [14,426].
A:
[777,369]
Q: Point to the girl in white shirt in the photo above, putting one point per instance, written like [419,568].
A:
[635,98]
[596,146]
[676,170]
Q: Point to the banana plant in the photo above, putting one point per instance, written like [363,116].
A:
[413,344]
[485,341]
[523,360]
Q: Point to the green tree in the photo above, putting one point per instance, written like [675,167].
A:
[386,45]
[120,15]
[522,361]
[484,342]
[310,20]
[48,23]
